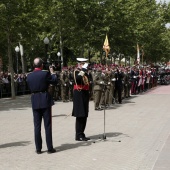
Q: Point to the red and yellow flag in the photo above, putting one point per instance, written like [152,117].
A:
[106,46]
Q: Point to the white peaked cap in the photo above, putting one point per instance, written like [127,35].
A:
[82,59]
[85,65]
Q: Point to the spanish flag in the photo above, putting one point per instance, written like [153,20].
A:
[106,46]
[138,54]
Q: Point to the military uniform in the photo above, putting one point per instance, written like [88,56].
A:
[126,84]
[118,85]
[80,102]
[112,87]
[71,84]
[64,79]
[106,90]
[38,82]
[97,89]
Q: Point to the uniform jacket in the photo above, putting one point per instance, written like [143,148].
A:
[98,78]
[38,82]
[80,97]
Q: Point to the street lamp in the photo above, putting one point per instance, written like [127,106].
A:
[59,54]
[46,42]
[17,51]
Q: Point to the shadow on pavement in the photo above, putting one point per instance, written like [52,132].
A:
[68,146]
[20,103]
[64,147]
[15,144]
[109,135]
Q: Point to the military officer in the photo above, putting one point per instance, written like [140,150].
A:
[81,99]
[38,82]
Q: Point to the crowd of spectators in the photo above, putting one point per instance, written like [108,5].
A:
[21,87]
[20,84]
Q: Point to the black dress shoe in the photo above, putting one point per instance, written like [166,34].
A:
[87,138]
[38,151]
[82,139]
[99,109]
[51,151]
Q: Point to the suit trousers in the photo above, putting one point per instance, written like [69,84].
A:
[46,115]
[80,126]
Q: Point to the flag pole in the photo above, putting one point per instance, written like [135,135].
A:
[106,48]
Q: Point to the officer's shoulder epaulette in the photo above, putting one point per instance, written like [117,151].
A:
[45,70]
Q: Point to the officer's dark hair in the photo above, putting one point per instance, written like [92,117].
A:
[38,62]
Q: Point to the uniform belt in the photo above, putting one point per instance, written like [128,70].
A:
[38,92]
[81,87]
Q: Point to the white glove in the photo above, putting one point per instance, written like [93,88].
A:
[108,82]
[113,79]
[64,84]
[134,76]
[70,83]
[81,73]
[85,65]
[102,82]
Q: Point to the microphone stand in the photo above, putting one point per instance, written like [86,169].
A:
[104,90]
[104,133]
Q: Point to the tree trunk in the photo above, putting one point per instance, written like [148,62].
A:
[11,68]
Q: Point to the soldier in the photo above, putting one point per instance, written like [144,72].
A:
[98,88]
[58,87]
[90,84]
[106,91]
[64,85]
[126,83]
[118,85]
[133,77]
[112,86]
[148,77]
[71,83]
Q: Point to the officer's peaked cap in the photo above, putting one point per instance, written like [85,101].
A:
[81,59]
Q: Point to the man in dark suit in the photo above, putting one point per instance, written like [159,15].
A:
[81,99]
[38,82]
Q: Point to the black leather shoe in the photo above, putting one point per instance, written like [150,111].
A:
[51,151]
[38,151]
[87,138]
[99,109]
[82,139]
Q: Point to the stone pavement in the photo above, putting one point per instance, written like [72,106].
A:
[137,136]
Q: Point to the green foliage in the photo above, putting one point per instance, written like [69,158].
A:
[77,26]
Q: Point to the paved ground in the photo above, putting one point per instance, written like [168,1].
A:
[137,136]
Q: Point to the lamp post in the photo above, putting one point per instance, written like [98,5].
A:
[17,51]
[59,54]
[46,42]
